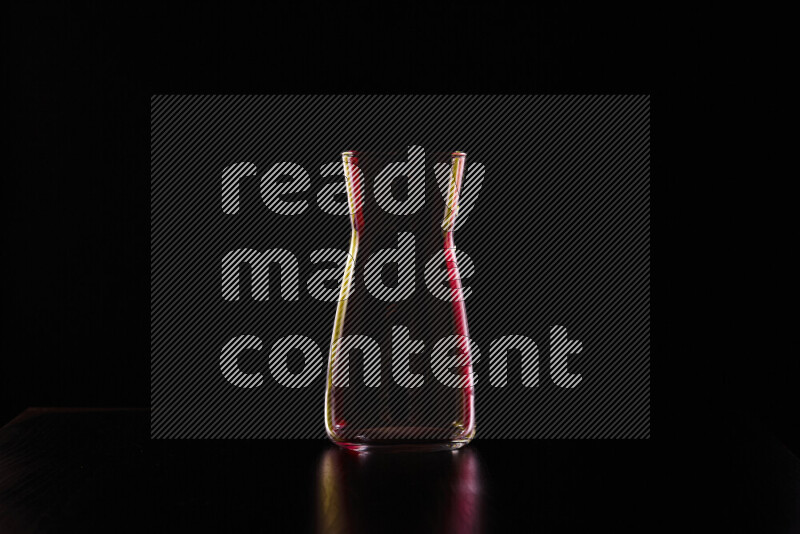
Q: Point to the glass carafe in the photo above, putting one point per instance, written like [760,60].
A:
[400,364]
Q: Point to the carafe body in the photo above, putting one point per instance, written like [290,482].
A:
[400,363]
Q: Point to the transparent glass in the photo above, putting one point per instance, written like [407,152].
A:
[400,365]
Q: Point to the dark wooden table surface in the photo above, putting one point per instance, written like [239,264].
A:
[70,470]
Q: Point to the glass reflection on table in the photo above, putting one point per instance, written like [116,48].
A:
[399,492]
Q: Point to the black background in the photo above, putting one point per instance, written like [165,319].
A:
[76,173]
[77,185]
